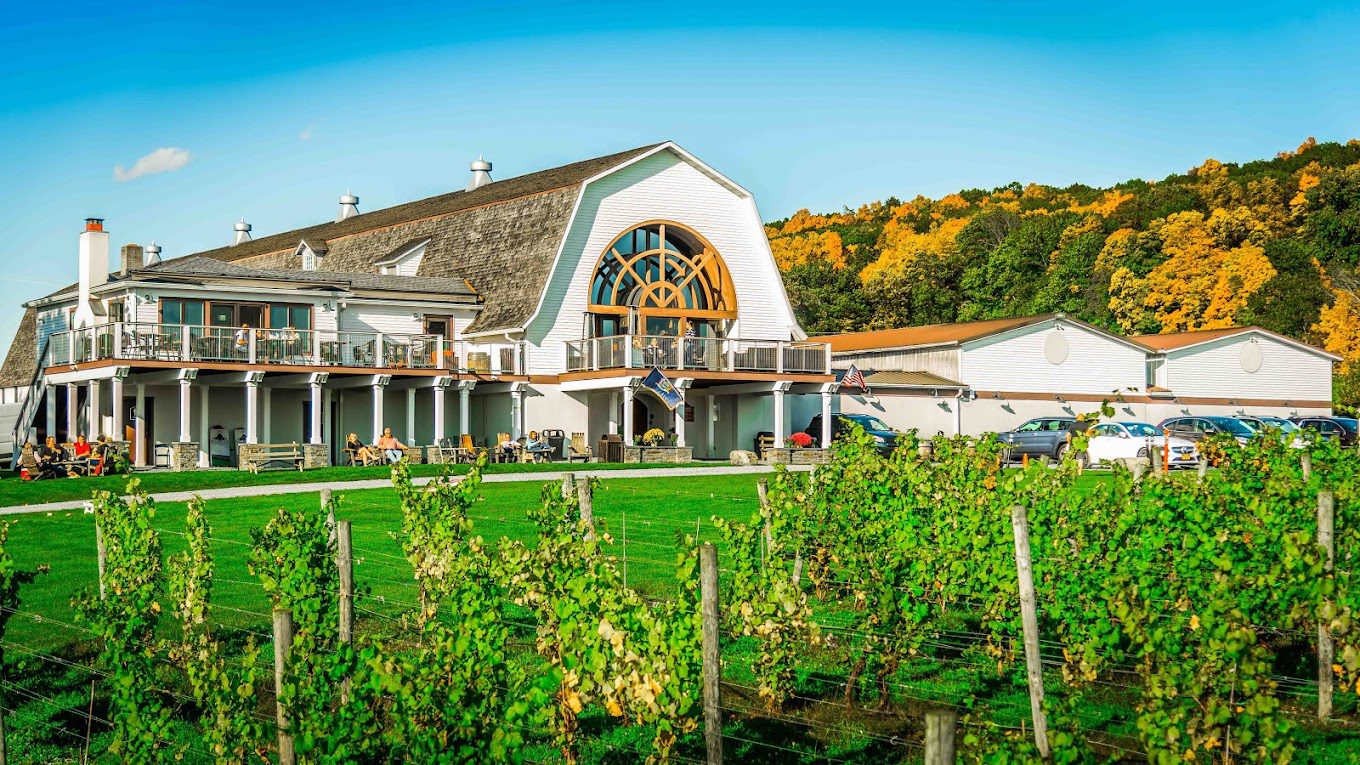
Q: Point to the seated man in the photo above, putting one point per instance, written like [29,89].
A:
[536,448]
[392,449]
[28,462]
[51,458]
[81,457]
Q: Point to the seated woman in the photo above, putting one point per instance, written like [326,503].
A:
[28,462]
[392,449]
[50,459]
[536,448]
[103,452]
[81,457]
[359,450]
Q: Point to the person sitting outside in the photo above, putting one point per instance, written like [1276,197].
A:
[242,338]
[99,461]
[50,459]
[359,452]
[81,457]
[536,448]
[28,462]
[392,449]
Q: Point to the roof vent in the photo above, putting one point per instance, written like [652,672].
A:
[153,253]
[349,207]
[481,173]
[242,232]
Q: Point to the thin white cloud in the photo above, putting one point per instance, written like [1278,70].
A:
[166,159]
[306,135]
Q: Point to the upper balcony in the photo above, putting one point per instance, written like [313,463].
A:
[712,354]
[187,344]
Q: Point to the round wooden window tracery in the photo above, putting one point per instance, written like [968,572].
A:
[665,268]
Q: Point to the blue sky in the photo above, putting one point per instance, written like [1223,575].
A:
[282,107]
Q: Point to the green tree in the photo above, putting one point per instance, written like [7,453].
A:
[1289,303]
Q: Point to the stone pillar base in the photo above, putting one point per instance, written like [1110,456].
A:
[316,456]
[184,456]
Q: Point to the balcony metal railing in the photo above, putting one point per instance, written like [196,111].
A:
[698,353]
[130,341]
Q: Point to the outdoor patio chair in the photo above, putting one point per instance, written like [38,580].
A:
[577,449]
[447,451]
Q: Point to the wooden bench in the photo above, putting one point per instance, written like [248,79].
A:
[270,453]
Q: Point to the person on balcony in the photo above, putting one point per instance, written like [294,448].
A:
[52,459]
[392,449]
[242,339]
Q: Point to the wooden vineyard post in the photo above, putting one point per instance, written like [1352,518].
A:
[712,655]
[568,484]
[283,641]
[762,490]
[344,563]
[1157,452]
[1034,669]
[1325,648]
[330,512]
[1203,468]
[100,554]
[940,727]
[583,494]
[1306,465]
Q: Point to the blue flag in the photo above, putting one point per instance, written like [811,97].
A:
[659,384]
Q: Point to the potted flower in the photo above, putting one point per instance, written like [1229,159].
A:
[653,437]
[798,440]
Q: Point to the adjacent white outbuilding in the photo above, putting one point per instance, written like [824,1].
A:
[990,376]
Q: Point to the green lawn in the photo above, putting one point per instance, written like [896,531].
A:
[14,492]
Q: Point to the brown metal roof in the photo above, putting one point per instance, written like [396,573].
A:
[1173,340]
[929,334]
[910,380]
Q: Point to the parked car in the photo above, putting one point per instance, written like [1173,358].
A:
[1199,427]
[885,438]
[1041,437]
[1289,432]
[1110,441]
[1342,428]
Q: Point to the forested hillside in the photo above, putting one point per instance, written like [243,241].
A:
[1273,242]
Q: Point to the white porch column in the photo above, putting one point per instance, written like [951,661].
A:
[712,405]
[252,407]
[438,392]
[827,393]
[628,413]
[681,385]
[958,413]
[204,429]
[317,407]
[267,416]
[327,403]
[51,406]
[516,411]
[379,388]
[139,427]
[93,418]
[72,414]
[464,415]
[779,414]
[613,411]
[116,408]
[410,416]
[185,409]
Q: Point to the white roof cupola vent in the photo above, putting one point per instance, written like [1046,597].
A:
[349,207]
[153,253]
[242,232]
[481,174]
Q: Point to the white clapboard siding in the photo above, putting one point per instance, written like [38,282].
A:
[387,319]
[1215,370]
[661,187]
[1015,361]
[939,361]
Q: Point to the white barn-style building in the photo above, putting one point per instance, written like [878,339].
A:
[533,303]
[991,376]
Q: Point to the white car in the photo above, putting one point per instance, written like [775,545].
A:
[1110,441]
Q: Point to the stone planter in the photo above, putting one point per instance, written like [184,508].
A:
[316,456]
[786,456]
[639,454]
[184,456]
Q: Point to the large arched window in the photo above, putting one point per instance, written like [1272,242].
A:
[662,268]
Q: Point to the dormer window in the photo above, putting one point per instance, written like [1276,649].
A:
[404,260]
[308,259]
[310,254]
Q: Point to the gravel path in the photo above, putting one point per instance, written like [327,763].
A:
[382,483]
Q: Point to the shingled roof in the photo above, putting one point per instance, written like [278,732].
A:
[22,360]
[197,266]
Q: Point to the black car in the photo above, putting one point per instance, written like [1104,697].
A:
[1341,428]
[1041,437]
[885,438]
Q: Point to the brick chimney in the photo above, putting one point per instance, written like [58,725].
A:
[131,258]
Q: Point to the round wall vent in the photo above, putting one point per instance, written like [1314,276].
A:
[1251,357]
[1055,348]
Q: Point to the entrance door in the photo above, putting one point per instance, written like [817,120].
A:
[130,430]
[640,413]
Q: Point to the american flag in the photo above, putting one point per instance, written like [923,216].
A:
[854,379]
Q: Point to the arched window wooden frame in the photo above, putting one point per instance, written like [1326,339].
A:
[662,268]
